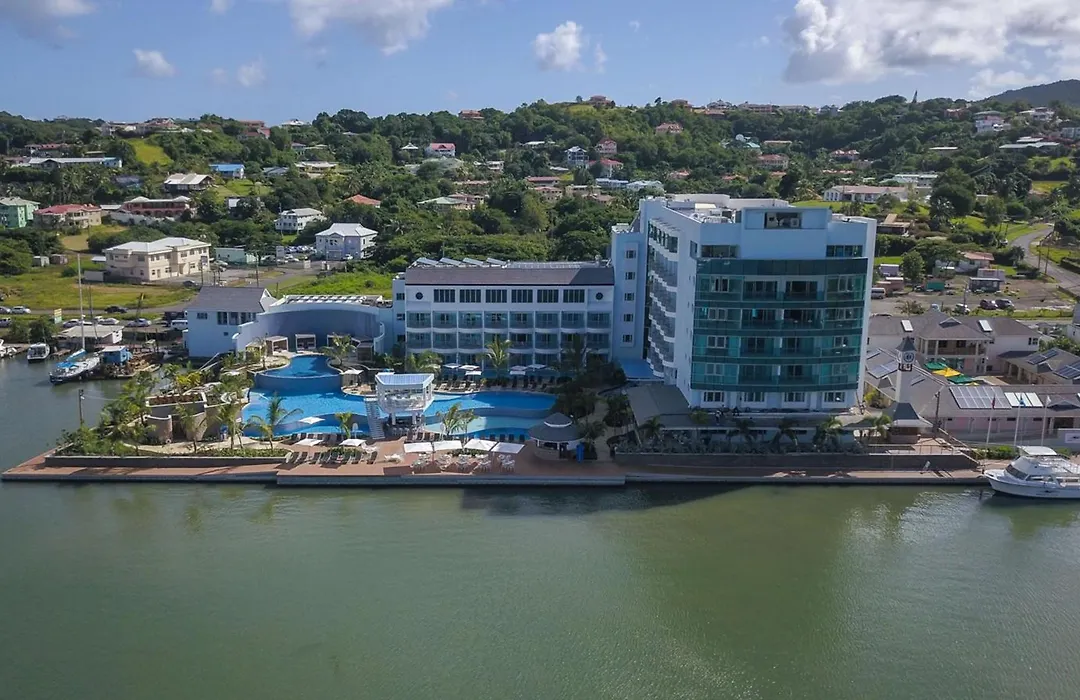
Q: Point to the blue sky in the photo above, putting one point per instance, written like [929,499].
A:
[279,59]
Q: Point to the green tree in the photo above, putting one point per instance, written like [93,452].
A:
[785,429]
[229,415]
[498,350]
[339,350]
[994,212]
[828,433]
[190,423]
[426,362]
[456,420]
[275,415]
[15,257]
[651,428]
[913,267]
[345,421]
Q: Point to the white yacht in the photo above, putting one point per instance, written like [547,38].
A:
[74,367]
[1039,472]
[38,352]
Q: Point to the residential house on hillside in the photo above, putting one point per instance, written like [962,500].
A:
[57,163]
[77,215]
[955,113]
[608,166]
[341,241]
[543,180]
[48,150]
[472,115]
[866,194]
[577,157]
[441,150]
[548,193]
[773,161]
[315,168]
[989,122]
[186,182]
[217,313]
[157,260]
[449,203]
[294,220]
[128,182]
[601,101]
[228,171]
[275,171]
[669,128]
[164,208]
[849,155]
[1069,132]
[409,150]
[364,201]
[678,174]
[16,212]
[1038,114]
[680,103]
[607,147]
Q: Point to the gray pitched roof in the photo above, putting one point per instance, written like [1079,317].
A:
[937,325]
[592,275]
[249,299]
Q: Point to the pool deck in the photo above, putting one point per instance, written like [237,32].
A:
[530,470]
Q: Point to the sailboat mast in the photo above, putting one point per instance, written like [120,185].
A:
[82,328]
[90,295]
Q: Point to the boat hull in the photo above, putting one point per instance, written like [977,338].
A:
[36,359]
[1040,490]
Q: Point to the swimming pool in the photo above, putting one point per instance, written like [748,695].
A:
[481,427]
[304,366]
[305,374]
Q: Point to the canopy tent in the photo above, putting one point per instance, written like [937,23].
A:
[536,367]
[418,447]
[947,372]
[452,366]
[507,448]
[352,442]
[963,379]
[936,366]
[469,368]
[518,368]
[473,373]
[481,445]
[517,373]
[309,442]
[309,420]
[445,445]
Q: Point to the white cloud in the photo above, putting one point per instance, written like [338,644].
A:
[761,42]
[220,7]
[251,74]
[152,64]
[42,18]
[841,41]
[390,24]
[635,25]
[989,82]
[560,49]
[599,57]
[220,76]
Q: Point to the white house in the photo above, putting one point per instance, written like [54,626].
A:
[216,315]
[577,157]
[863,193]
[440,150]
[345,240]
[917,179]
[607,147]
[186,182]
[989,122]
[294,220]
[228,171]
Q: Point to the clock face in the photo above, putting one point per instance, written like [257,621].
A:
[908,358]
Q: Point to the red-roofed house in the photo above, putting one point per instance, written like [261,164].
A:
[77,215]
[607,147]
[607,166]
[679,174]
[543,180]
[773,161]
[364,201]
[440,150]
[471,115]
[669,128]
[841,154]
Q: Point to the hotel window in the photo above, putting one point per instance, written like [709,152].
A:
[630,276]
[629,296]
[843,251]
[783,219]
[470,296]
[834,396]
[628,318]
[714,397]
[794,397]
[444,296]
[573,296]
[631,254]
[628,339]
[401,317]
[202,315]
[547,296]
[521,296]
[719,251]
[234,318]
[721,284]
[223,318]
[495,296]
[716,341]
[753,396]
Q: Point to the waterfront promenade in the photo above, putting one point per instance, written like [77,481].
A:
[531,469]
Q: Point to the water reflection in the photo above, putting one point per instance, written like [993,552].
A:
[563,501]
[1028,518]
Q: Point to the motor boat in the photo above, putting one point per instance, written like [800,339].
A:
[1039,472]
[77,365]
[38,352]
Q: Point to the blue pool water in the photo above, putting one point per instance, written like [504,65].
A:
[482,426]
[304,366]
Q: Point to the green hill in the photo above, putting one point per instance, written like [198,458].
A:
[1064,91]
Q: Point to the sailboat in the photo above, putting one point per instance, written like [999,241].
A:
[79,363]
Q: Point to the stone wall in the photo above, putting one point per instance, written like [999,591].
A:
[849,462]
[155,462]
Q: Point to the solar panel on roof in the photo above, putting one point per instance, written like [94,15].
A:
[985,325]
[977,397]
[1069,371]
[906,325]
[1023,400]
[884,369]
[1043,356]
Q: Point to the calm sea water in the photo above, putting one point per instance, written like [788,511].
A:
[170,591]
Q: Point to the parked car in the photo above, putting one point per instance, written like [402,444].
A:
[1005,304]
[5,322]
[109,322]
[962,309]
[71,323]
[116,309]
[19,310]
[139,323]
[190,284]
[4,310]
[987,304]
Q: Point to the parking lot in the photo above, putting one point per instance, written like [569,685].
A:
[1026,295]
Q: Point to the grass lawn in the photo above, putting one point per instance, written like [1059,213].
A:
[1055,254]
[150,153]
[1017,230]
[1046,186]
[340,283]
[243,188]
[44,289]
[888,260]
[835,206]
[76,243]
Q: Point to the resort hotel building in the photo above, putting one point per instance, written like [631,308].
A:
[751,304]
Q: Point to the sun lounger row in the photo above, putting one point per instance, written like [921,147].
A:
[295,458]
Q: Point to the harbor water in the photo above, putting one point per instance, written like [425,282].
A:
[196,591]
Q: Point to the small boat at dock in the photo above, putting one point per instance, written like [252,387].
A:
[1039,472]
[38,352]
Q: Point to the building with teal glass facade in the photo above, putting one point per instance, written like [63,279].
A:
[756,304]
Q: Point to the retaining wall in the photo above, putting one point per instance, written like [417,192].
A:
[849,462]
[155,462]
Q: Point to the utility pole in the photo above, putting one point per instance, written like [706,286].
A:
[82,396]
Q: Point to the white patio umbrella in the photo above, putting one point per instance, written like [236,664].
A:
[309,420]
[481,445]
[507,448]
[536,367]
[518,368]
[469,368]
[352,442]
[451,366]
[446,445]
[474,373]
[418,447]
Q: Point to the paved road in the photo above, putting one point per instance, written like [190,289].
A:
[1067,279]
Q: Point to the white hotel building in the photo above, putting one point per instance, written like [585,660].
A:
[754,303]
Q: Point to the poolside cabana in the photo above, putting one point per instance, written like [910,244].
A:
[305,341]
[507,448]
[557,432]
[275,343]
[407,395]
[446,445]
[418,447]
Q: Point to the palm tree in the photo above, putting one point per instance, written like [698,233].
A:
[786,429]
[426,362]
[339,350]
[699,416]
[591,431]
[499,352]
[744,427]
[345,421]
[618,411]
[229,415]
[170,373]
[190,422]
[879,427]
[828,431]
[650,429]
[275,415]
[456,420]
[136,392]
[572,360]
